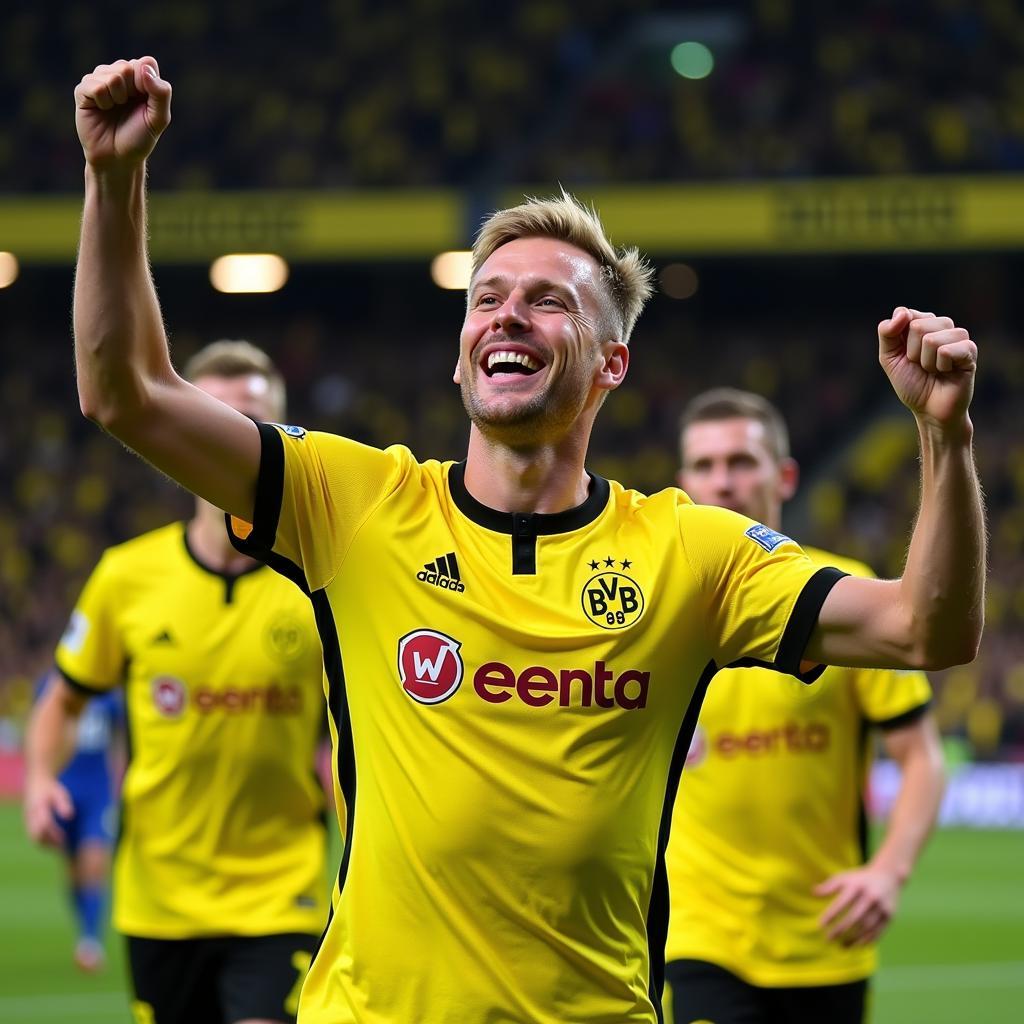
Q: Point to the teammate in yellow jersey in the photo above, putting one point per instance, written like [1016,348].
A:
[774,912]
[516,649]
[219,868]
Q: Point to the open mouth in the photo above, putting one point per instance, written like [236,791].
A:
[515,364]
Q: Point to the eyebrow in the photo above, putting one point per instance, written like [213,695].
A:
[539,284]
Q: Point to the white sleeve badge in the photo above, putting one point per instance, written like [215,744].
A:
[74,632]
[766,537]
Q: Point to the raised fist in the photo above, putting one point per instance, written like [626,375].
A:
[121,109]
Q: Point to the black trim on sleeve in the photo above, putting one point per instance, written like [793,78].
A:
[905,718]
[83,688]
[802,621]
[266,511]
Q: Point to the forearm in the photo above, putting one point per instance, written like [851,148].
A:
[49,739]
[120,343]
[913,814]
[943,584]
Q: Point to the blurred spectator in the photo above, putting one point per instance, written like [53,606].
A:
[449,92]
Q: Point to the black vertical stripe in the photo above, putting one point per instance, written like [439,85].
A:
[657,912]
[337,706]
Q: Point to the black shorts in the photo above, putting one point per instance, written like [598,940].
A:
[709,994]
[218,980]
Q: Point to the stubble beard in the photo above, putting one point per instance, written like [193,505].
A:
[526,422]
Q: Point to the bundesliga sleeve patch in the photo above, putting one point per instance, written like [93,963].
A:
[290,430]
[74,633]
[766,537]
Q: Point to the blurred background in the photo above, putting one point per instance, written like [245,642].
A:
[793,170]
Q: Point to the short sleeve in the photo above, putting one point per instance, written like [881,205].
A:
[762,594]
[890,698]
[313,494]
[91,654]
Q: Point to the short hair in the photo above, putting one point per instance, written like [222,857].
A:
[733,404]
[238,359]
[624,272]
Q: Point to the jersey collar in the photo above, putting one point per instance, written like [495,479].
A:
[539,523]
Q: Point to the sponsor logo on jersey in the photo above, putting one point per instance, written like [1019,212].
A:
[273,699]
[537,686]
[790,738]
[443,572]
[291,430]
[612,600]
[430,666]
[766,537]
[169,695]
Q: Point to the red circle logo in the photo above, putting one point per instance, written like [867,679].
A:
[169,696]
[429,665]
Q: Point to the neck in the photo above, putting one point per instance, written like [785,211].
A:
[208,539]
[549,478]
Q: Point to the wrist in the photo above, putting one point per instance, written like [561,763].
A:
[952,434]
[115,180]
[897,869]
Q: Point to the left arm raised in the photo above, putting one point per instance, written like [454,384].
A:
[932,617]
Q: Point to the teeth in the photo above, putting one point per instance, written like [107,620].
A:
[512,357]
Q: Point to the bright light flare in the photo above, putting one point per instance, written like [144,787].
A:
[452,270]
[679,281]
[692,60]
[249,273]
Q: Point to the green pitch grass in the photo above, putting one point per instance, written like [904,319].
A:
[955,954]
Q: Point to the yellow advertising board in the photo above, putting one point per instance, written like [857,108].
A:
[913,214]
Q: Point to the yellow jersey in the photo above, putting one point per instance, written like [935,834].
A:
[511,697]
[222,821]
[771,804]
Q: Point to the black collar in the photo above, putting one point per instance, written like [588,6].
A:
[540,523]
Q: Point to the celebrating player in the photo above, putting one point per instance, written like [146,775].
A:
[219,869]
[509,746]
[774,914]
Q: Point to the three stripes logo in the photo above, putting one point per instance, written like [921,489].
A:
[443,572]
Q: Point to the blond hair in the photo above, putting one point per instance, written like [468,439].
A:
[626,275]
[238,359]
[733,404]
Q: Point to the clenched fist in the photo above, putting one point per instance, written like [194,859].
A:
[121,109]
[931,363]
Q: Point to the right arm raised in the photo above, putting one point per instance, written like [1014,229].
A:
[126,382]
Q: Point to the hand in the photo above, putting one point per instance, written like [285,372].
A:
[45,801]
[930,362]
[865,901]
[121,109]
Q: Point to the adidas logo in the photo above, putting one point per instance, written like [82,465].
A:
[163,638]
[443,572]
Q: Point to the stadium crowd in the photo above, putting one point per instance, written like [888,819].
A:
[72,492]
[426,96]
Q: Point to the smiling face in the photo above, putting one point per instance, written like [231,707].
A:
[729,463]
[531,354]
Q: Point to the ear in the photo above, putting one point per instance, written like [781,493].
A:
[613,366]
[789,478]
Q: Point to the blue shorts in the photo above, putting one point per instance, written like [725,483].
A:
[92,822]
